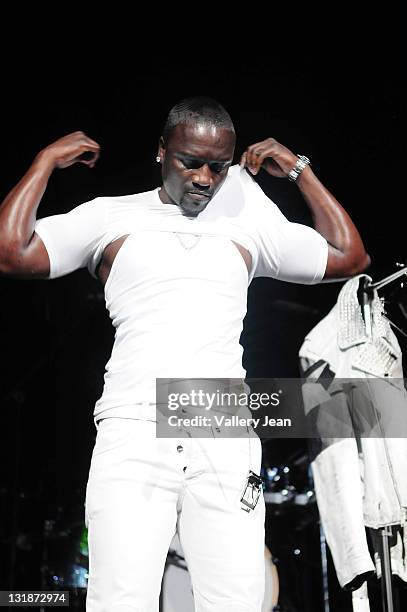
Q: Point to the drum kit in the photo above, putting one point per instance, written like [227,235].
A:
[176,593]
[65,557]
[280,495]
[66,562]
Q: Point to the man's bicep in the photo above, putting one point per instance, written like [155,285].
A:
[32,263]
[35,263]
[337,267]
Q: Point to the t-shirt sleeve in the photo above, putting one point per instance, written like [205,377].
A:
[74,240]
[287,251]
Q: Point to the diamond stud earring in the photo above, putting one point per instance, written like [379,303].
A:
[158,159]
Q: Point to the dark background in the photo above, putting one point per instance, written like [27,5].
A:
[347,115]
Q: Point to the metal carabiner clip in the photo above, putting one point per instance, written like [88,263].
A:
[252,491]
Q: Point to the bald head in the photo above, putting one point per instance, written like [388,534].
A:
[199,111]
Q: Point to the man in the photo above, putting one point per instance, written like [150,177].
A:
[175,263]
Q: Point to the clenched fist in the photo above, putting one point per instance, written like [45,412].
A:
[71,149]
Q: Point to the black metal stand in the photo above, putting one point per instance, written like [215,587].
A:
[386,579]
[324,563]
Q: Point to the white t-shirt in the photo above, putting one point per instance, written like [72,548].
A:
[177,289]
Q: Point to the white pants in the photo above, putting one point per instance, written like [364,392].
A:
[142,488]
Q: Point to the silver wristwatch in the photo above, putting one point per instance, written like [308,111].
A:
[302,162]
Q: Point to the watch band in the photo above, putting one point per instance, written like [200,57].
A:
[302,162]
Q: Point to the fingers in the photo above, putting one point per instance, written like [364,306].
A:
[73,148]
[89,157]
[79,137]
[257,157]
[92,142]
[89,163]
[254,156]
[90,150]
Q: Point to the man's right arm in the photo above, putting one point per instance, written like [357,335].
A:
[22,252]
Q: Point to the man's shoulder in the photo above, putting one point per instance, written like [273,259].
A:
[145,197]
[127,207]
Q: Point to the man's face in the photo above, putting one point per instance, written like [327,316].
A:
[195,163]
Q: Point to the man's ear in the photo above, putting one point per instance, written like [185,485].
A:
[161,149]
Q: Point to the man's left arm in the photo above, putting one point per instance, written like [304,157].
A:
[346,253]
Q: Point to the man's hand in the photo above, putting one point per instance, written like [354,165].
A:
[22,252]
[346,253]
[71,149]
[270,155]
